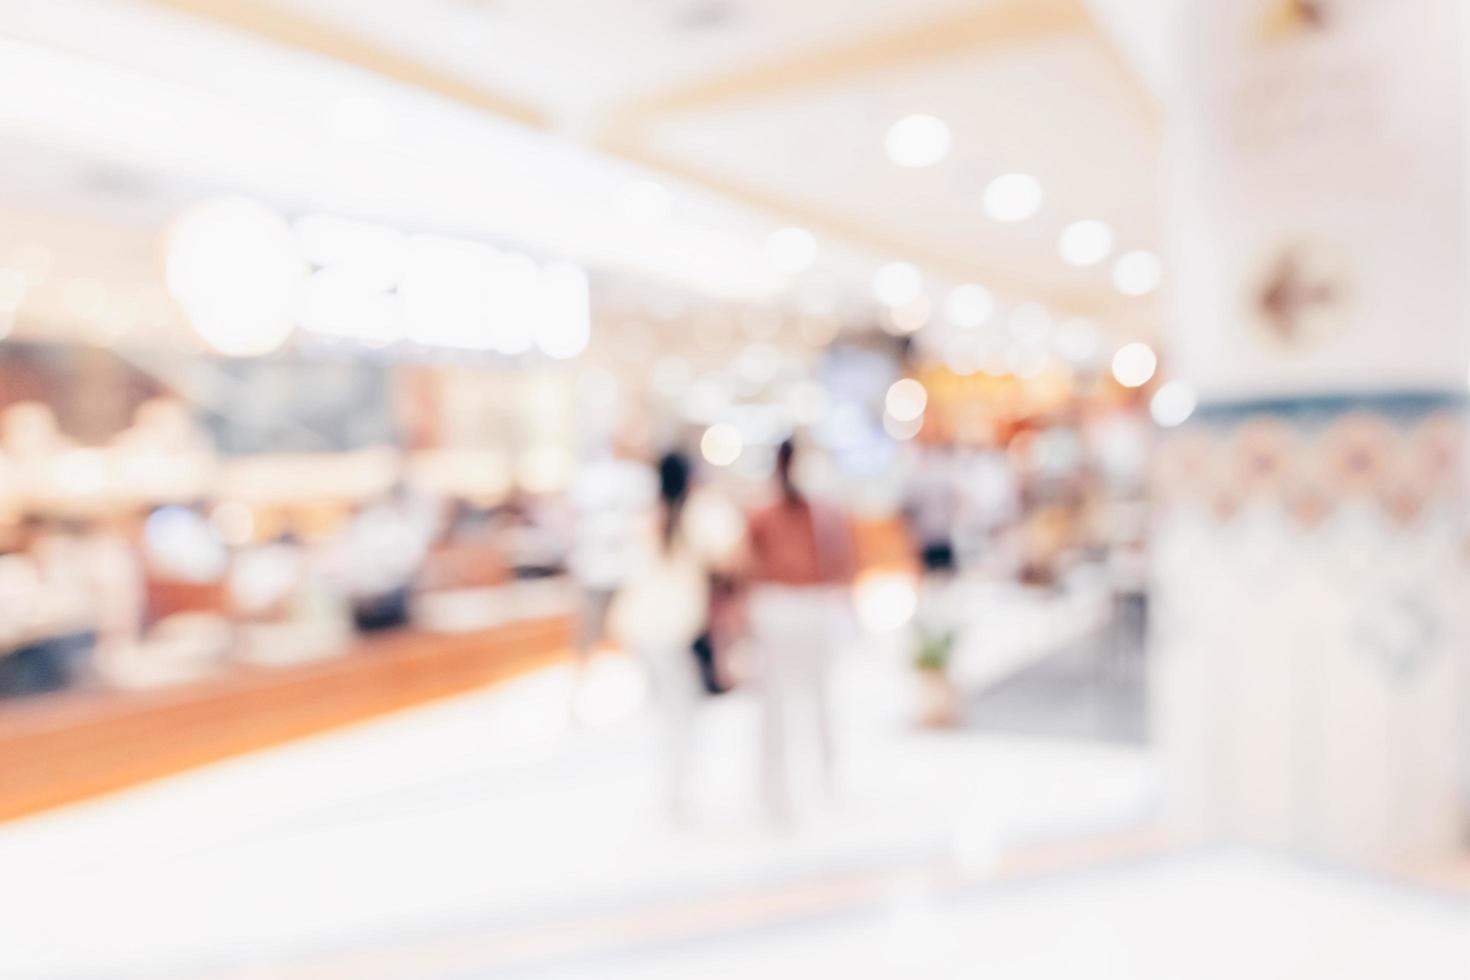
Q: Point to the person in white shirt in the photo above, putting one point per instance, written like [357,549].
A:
[661,608]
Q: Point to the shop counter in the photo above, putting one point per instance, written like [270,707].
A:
[70,746]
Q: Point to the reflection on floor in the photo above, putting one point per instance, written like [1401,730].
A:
[492,836]
[1087,690]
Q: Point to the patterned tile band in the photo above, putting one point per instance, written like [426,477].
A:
[1310,456]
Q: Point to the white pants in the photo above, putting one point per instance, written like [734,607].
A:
[675,681]
[793,628]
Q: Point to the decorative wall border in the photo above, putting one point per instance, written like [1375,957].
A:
[1402,452]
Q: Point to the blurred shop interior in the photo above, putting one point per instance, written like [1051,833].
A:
[341,348]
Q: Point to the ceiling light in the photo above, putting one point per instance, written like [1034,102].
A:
[1134,364]
[721,444]
[1137,273]
[791,250]
[902,431]
[918,141]
[337,304]
[910,318]
[1013,197]
[566,322]
[449,292]
[969,306]
[1085,242]
[371,253]
[518,308]
[234,268]
[897,284]
[1172,404]
[906,400]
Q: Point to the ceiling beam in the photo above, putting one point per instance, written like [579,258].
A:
[991,26]
[286,28]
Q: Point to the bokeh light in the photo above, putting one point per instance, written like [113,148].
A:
[1134,364]
[918,141]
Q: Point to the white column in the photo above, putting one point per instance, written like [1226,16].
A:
[1310,566]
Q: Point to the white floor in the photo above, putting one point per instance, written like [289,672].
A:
[1218,916]
[492,815]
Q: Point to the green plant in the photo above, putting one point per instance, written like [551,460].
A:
[934,651]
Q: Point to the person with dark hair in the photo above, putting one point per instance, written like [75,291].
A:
[658,614]
[802,559]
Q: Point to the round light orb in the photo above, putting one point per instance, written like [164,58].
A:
[1137,273]
[1134,364]
[897,284]
[235,270]
[1084,243]
[918,141]
[1173,404]
[907,318]
[969,306]
[902,431]
[791,250]
[1013,197]
[721,444]
[906,400]
[885,601]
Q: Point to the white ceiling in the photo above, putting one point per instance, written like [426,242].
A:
[754,113]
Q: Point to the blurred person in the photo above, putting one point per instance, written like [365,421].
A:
[55,585]
[801,559]
[535,532]
[464,554]
[658,613]
[717,532]
[931,511]
[611,493]
[117,571]
[381,553]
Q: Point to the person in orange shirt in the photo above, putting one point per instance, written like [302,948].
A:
[800,565]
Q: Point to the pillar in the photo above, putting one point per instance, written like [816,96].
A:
[1309,564]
